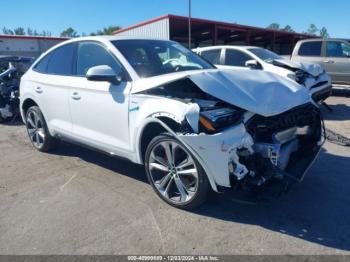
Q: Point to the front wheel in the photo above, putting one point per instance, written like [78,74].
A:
[174,173]
[37,130]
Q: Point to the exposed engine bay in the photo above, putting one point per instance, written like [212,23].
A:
[11,70]
[251,148]
[289,140]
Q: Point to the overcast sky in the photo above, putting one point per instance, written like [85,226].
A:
[90,15]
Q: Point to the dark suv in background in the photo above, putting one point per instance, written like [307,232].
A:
[332,54]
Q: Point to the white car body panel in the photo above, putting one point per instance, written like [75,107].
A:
[318,73]
[52,93]
[97,105]
[112,117]
[243,89]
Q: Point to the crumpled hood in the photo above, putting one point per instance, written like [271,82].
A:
[311,68]
[260,92]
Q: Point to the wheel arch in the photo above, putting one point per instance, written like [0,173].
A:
[27,103]
[153,127]
[156,126]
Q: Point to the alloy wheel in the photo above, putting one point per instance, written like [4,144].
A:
[173,172]
[35,129]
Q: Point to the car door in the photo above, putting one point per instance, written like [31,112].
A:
[51,80]
[99,109]
[310,52]
[337,61]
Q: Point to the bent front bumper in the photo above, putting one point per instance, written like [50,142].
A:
[322,93]
[320,87]
[241,154]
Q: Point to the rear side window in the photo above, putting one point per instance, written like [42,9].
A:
[61,60]
[310,48]
[236,58]
[92,54]
[213,56]
[337,49]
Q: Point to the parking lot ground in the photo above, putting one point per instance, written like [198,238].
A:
[339,119]
[76,201]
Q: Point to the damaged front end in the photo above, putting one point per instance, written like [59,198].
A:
[263,148]
[285,145]
[249,142]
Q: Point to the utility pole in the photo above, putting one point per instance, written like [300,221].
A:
[189,24]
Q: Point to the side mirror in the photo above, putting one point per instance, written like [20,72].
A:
[253,64]
[103,73]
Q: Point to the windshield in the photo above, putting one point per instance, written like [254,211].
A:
[156,57]
[264,54]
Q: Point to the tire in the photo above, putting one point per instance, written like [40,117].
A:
[37,130]
[180,182]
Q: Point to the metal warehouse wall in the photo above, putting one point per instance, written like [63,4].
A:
[26,47]
[155,30]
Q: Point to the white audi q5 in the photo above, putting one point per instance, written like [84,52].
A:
[156,103]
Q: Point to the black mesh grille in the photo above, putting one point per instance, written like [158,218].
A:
[262,128]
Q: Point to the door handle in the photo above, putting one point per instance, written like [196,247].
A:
[38,90]
[328,61]
[76,96]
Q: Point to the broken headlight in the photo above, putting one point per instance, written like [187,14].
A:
[217,119]
[300,76]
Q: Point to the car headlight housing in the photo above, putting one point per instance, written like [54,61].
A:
[217,119]
[292,76]
[300,76]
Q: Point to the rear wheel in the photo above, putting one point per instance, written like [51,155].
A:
[37,130]
[174,173]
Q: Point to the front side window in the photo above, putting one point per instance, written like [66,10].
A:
[213,56]
[337,49]
[264,54]
[61,60]
[236,58]
[156,57]
[92,54]
[310,48]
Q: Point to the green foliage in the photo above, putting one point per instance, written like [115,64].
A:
[69,32]
[324,32]
[106,30]
[7,31]
[19,31]
[274,26]
[22,31]
[312,30]
[288,28]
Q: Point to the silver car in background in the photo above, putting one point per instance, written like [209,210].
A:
[332,54]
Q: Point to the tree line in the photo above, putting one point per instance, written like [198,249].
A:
[69,32]
[312,30]
[23,31]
